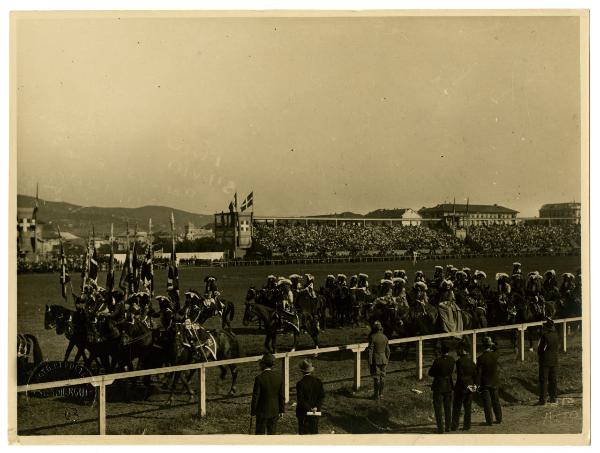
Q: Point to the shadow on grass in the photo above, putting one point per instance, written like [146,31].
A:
[374,420]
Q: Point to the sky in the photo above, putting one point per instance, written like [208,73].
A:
[314,115]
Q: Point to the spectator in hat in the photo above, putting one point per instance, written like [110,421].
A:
[441,371]
[548,361]
[379,356]
[268,398]
[466,375]
[489,381]
[309,396]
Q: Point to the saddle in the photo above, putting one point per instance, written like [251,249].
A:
[200,339]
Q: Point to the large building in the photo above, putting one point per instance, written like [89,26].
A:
[462,215]
[561,213]
[192,232]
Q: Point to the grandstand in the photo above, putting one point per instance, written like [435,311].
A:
[296,239]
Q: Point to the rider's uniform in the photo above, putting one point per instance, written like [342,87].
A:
[363,283]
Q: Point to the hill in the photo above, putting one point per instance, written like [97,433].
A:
[77,219]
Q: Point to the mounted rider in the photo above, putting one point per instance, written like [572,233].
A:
[295,283]
[363,283]
[438,277]
[420,277]
[504,288]
[388,275]
[190,314]
[516,279]
[353,282]
[534,295]
[550,286]
[420,299]
[478,289]
[212,294]
[467,271]
[284,307]
[309,285]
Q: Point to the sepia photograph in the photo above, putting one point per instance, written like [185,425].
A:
[320,226]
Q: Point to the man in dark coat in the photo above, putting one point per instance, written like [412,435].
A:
[441,372]
[489,381]
[379,356]
[466,375]
[309,396]
[268,398]
[548,361]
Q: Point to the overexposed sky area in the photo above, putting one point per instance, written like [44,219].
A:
[315,115]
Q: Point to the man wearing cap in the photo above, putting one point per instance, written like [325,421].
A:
[441,372]
[489,381]
[268,397]
[548,361]
[466,375]
[309,397]
[378,355]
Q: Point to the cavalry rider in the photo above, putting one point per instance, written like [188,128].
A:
[448,272]
[211,295]
[568,289]
[388,275]
[453,271]
[550,286]
[419,277]
[461,281]
[438,277]
[271,283]
[363,283]
[189,315]
[284,308]
[386,290]
[504,288]
[477,290]
[309,285]
[446,292]
[296,285]
[353,283]
[467,271]
[516,279]
[420,299]
[116,308]
[399,290]
[165,313]
[533,292]
[341,281]
[401,273]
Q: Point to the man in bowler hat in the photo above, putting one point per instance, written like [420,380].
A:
[466,375]
[309,397]
[488,381]
[548,361]
[441,372]
[268,397]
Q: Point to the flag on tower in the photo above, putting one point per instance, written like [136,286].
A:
[248,202]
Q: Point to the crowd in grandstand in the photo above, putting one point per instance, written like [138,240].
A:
[290,240]
[525,238]
[298,240]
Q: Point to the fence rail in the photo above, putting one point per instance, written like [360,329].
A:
[104,380]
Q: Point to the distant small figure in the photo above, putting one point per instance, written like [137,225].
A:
[441,372]
[379,356]
[309,396]
[268,397]
[548,361]
[466,376]
[489,381]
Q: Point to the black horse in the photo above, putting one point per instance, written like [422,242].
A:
[256,311]
[215,345]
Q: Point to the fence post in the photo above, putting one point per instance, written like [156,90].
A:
[522,343]
[474,347]
[202,391]
[564,336]
[420,360]
[102,410]
[357,369]
[286,377]
[102,405]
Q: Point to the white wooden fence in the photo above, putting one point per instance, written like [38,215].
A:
[102,381]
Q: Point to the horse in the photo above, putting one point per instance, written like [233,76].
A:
[29,356]
[261,296]
[311,309]
[525,312]
[71,324]
[207,311]
[219,344]
[343,302]
[328,295]
[256,311]
[390,314]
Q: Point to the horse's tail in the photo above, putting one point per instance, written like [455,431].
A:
[38,357]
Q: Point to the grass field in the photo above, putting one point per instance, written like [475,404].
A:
[404,410]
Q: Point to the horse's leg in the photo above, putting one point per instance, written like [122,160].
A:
[295,335]
[234,374]
[70,347]
[218,382]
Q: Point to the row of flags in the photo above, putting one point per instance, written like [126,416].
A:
[247,203]
[136,275]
